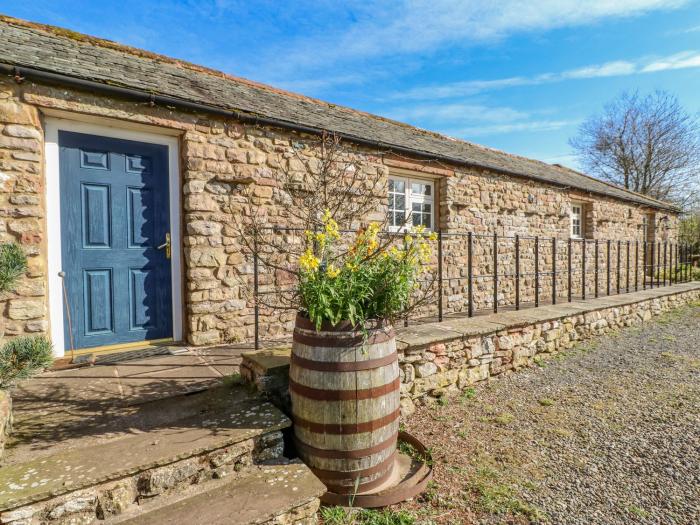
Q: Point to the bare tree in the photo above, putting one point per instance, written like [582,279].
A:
[648,144]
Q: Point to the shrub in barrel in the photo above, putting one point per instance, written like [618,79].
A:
[344,375]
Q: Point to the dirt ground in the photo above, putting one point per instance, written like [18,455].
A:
[606,433]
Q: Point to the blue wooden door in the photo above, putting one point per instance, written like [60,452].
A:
[114,216]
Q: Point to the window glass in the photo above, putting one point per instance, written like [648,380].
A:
[410,197]
[576,225]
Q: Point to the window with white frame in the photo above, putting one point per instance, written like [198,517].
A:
[411,203]
[576,220]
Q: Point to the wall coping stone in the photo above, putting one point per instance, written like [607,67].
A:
[487,324]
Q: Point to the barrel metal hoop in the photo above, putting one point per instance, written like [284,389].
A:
[316,339]
[355,474]
[343,326]
[319,394]
[346,454]
[348,366]
[347,429]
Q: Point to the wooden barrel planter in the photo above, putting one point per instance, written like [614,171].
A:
[345,403]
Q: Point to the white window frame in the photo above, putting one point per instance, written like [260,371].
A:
[581,220]
[417,198]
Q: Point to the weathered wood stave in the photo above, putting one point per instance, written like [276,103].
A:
[345,403]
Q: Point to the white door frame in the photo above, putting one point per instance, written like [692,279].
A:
[102,128]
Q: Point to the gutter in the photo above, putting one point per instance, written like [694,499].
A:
[20,73]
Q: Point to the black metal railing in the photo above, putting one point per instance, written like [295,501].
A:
[493,272]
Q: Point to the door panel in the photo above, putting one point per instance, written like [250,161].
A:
[114,215]
[98,289]
[95,203]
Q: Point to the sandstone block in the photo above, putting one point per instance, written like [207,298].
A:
[23,132]
[408,407]
[22,309]
[161,479]
[115,500]
[425,369]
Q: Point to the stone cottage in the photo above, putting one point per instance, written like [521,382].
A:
[123,172]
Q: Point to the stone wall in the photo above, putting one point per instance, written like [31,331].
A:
[436,362]
[22,217]
[230,171]
[5,418]
[436,359]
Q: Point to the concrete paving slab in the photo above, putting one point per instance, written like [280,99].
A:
[150,365]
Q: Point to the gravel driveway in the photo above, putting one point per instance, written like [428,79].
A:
[607,433]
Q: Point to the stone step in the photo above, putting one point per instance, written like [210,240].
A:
[107,478]
[40,430]
[266,494]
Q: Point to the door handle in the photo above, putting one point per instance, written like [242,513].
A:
[166,245]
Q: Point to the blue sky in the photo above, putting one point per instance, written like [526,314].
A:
[515,75]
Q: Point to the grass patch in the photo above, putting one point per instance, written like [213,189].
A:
[341,516]
[638,511]
[411,451]
[546,402]
[443,401]
[232,380]
[468,394]
[498,497]
[539,361]
[562,432]
[503,418]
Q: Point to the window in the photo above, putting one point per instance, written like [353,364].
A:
[577,220]
[411,200]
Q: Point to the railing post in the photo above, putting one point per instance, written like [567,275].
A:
[636,265]
[665,261]
[658,265]
[653,251]
[583,269]
[627,274]
[517,272]
[256,306]
[554,270]
[607,271]
[439,255]
[644,265]
[596,268]
[617,266]
[495,273]
[470,274]
[537,271]
[569,271]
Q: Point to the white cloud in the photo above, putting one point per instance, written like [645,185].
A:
[390,28]
[456,112]
[497,129]
[684,60]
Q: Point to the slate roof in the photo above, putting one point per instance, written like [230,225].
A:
[67,53]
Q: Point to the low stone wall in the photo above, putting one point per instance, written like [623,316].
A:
[437,358]
[433,361]
[5,418]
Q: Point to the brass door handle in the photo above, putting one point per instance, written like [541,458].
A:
[166,245]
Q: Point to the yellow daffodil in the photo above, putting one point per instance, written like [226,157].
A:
[433,236]
[309,262]
[332,271]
